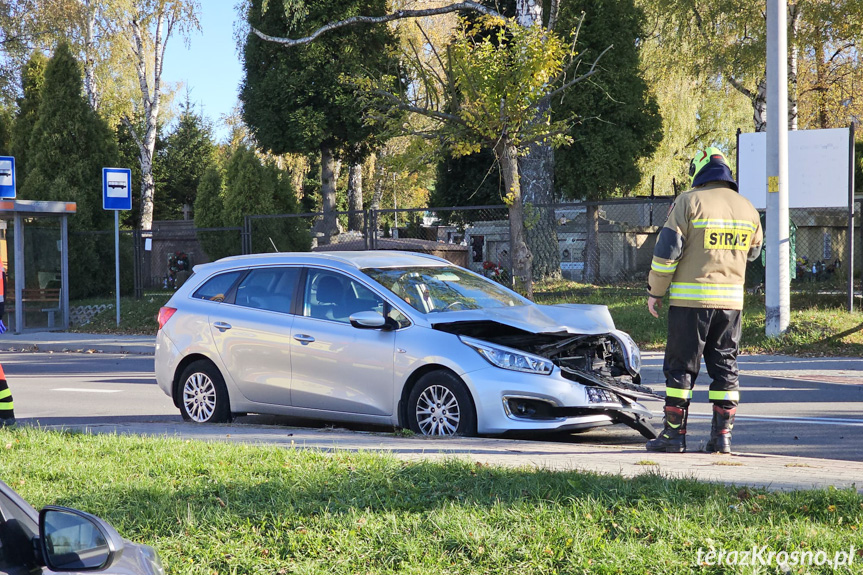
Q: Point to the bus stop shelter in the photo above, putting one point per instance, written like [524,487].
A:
[35,253]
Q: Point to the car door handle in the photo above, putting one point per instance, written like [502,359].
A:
[222,326]
[303,338]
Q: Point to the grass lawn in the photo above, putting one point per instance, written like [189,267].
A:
[819,323]
[213,508]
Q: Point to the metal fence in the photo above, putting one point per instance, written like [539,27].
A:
[593,242]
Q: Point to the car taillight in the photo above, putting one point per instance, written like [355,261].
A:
[165,314]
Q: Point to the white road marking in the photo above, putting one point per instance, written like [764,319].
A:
[790,419]
[84,390]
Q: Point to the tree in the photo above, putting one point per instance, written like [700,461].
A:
[69,146]
[151,24]
[249,186]
[727,39]
[6,122]
[473,180]
[296,101]
[497,75]
[188,152]
[622,123]
[209,213]
[32,82]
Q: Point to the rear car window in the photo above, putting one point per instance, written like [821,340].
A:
[215,288]
[270,289]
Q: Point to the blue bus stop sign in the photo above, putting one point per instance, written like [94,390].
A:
[7,177]
[116,188]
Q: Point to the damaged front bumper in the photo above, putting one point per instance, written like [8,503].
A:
[608,409]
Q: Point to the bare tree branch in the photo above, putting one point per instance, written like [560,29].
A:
[740,87]
[553,12]
[397,15]
[404,106]
[574,81]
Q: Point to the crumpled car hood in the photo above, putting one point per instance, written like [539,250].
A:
[585,319]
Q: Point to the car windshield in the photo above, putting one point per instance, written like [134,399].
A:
[441,289]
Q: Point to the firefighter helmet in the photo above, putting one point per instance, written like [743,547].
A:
[704,158]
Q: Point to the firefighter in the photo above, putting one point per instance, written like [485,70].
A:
[7,408]
[700,262]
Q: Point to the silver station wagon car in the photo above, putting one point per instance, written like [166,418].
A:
[391,338]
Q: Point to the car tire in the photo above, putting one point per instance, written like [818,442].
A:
[203,396]
[440,405]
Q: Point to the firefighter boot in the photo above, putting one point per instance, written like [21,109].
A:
[720,430]
[672,439]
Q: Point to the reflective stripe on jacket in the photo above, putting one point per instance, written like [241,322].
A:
[701,252]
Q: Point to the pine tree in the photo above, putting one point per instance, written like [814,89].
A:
[32,81]
[68,148]
[6,123]
[188,152]
[210,213]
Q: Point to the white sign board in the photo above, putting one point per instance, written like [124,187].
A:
[818,164]
[117,185]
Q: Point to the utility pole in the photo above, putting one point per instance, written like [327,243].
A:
[777,285]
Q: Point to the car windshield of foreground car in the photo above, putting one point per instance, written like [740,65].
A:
[440,289]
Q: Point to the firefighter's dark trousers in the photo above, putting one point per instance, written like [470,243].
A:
[693,332]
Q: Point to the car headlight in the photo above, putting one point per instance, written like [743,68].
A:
[631,353]
[508,358]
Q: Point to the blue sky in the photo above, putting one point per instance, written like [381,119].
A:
[210,67]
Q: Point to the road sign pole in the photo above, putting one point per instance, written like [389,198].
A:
[116,196]
[117,258]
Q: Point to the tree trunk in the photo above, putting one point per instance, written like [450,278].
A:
[378,194]
[591,246]
[151,100]
[793,55]
[821,74]
[328,227]
[537,178]
[507,156]
[537,175]
[759,107]
[89,50]
[355,197]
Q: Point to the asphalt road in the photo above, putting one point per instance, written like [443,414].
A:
[805,407]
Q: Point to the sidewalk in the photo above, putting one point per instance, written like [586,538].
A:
[58,341]
[775,472]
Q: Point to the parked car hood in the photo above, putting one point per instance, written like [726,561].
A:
[583,319]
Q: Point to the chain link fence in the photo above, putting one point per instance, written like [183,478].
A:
[591,242]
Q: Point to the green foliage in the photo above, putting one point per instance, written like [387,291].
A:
[68,147]
[7,120]
[211,507]
[501,73]
[32,83]
[473,180]
[296,99]
[209,213]
[188,151]
[249,187]
[618,118]
[698,109]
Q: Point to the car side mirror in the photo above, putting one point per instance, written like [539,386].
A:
[368,320]
[71,540]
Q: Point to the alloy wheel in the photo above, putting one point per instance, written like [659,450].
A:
[438,411]
[199,397]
